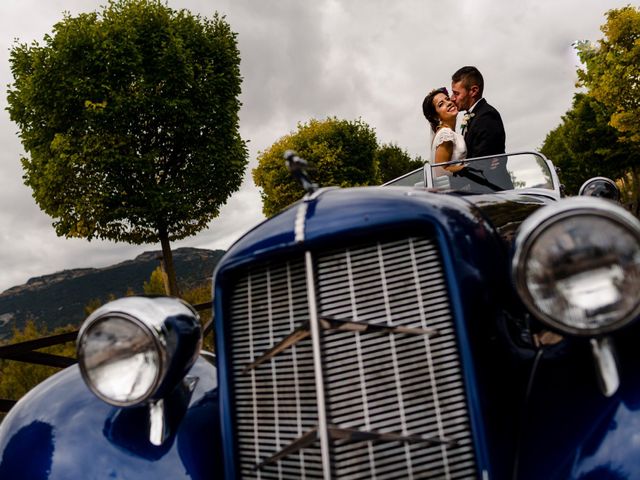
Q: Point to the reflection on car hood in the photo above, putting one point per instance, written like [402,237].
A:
[505,211]
[351,211]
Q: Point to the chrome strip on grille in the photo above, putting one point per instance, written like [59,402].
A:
[317,364]
[346,366]
[283,286]
[434,391]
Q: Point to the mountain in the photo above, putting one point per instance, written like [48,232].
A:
[59,299]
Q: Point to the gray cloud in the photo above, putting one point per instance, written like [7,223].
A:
[368,59]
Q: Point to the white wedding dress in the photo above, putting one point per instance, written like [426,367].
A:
[445,134]
[442,178]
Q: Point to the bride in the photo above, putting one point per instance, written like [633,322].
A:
[447,144]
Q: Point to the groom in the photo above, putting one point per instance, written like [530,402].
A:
[481,126]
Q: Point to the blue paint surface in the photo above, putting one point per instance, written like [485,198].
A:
[60,431]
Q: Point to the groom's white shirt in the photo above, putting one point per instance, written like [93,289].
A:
[458,126]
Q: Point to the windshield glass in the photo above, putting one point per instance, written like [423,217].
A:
[484,175]
[494,174]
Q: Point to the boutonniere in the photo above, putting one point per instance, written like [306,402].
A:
[465,121]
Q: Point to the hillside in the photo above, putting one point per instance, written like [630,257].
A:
[59,298]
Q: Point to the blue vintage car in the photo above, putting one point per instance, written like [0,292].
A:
[439,327]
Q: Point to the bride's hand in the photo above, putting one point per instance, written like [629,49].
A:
[454,168]
[444,154]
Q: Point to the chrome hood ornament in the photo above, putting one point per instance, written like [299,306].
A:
[298,168]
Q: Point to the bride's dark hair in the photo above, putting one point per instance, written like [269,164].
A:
[429,109]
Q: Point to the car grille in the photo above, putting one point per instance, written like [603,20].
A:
[391,390]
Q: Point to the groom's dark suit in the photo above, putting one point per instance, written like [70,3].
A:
[484,135]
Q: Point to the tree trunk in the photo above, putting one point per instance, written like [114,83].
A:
[167,259]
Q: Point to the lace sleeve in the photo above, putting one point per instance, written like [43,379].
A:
[444,135]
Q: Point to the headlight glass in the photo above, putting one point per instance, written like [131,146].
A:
[580,270]
[120,360]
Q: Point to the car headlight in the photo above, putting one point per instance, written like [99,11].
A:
[137,348]
[601,187]
[576,265]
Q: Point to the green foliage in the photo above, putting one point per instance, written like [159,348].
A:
[339,152]
[600,135]
[92,306]
[612,73]
[199,295]
[584,145]
[156,283]
[17,378]
[130,120]
[394,162]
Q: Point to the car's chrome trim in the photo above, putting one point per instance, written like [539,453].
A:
[323,432]
[301,216]
[301,213]
[327,323]
[151,314]
[606,365]
[606,180]
[158,431]
[380,373]
[429,181]
[543,218]
[146,323]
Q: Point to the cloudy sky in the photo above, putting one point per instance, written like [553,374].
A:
[368,59]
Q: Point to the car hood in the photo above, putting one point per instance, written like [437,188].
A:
[353,211]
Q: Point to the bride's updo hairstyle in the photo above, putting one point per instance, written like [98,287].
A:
[429,109]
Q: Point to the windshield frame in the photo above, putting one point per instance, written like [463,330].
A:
[428,178]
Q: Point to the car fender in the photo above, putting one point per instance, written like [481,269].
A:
[60,430]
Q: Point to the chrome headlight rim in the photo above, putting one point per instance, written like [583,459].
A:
[131,310]
[538,224]
[594,181]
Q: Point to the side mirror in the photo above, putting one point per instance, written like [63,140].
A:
[600,187]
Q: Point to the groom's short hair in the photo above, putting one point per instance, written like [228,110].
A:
[469,76]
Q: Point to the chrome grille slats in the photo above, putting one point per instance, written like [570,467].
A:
[274,402]
[397,283]
[375,382]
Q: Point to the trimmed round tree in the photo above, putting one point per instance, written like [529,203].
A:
[339,152]
[129,117]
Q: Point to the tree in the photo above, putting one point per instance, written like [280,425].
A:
[339,152]
[612,73]
[198,294]
[130,120]
[600,135]
[584,145]
[156,283]
[393,162]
